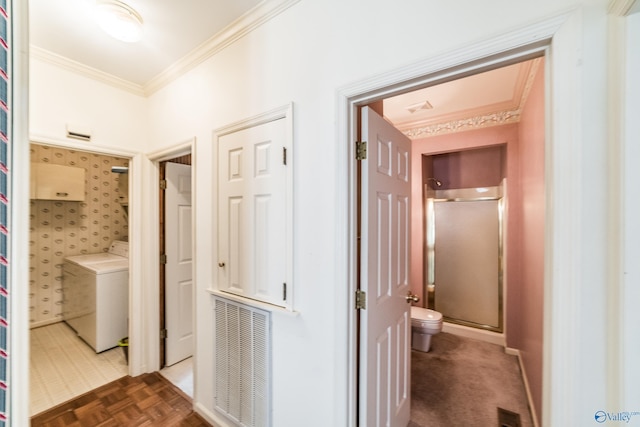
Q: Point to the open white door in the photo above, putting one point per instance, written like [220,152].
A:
[178,270]
[385,353]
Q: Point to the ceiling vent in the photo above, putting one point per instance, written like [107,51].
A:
[83,133]
[424,105]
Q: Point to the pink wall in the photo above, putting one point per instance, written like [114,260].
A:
[474,139]
[530,302]
[480,167]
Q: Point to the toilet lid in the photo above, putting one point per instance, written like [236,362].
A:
[424,314]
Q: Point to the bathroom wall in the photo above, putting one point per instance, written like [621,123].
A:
[470,168]
[529,301]
[60,228]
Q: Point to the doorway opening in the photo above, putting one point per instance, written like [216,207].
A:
[175,272]
[78,218]
[441,138]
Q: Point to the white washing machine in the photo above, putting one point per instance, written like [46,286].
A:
[96,296]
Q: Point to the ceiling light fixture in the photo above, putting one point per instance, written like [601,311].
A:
[119,20]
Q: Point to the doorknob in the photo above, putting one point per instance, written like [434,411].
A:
[412,298]
[221,264]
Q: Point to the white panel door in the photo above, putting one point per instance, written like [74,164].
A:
[385,362]
[252,212]
[178,270]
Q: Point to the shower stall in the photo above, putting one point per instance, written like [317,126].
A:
[464,255]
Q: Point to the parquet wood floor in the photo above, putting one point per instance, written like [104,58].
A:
[146,400]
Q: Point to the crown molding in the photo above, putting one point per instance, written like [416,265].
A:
[622,7]
[248,22]
[477,122]
[84,70]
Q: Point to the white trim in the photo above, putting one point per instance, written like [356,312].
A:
[562,235]
[496,338]
[248,22]
[80,146]
[17,398]
[174,151]
[623,7]
[624,131]
[152,309]
[84,70]
[523,372]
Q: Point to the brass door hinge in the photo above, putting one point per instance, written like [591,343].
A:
[361,300]
[163,258]
[361,150]
[163,334]
[163,184]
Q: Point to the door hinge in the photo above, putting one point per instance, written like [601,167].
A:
[163,184]
[284,292]
[361,300]
[163,334]
[284,156]
[361,150]
[163,258]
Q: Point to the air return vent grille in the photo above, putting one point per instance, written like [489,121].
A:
[243,363]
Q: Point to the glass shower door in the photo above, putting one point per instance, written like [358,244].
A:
[466,261]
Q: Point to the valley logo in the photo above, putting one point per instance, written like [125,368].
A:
[623,417]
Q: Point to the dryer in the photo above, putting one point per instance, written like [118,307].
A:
[96,296]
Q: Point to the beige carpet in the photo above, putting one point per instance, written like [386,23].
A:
[62,366]
[462,382]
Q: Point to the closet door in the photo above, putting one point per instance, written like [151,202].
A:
[253,213]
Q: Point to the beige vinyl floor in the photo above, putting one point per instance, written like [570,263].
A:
[62,367]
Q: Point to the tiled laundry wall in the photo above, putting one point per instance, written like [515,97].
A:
[63,228]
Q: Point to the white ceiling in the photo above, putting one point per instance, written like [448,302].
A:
[173,29]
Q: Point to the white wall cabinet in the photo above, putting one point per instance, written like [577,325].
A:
[254,210]
[57,182]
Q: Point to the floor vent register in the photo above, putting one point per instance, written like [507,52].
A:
[508,419]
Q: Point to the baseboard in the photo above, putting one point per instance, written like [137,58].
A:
[45,323]
[532,408]
[475,333]
[209,416]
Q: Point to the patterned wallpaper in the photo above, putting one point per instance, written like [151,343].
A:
[62,228]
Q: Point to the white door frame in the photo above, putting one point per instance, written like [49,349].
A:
[153,308]
[135,235]
[623,136]
[560,38]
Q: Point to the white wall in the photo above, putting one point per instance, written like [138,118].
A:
[305,55]
[117,118]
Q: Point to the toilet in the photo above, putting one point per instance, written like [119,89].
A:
[424,324]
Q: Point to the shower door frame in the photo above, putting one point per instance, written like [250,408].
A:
[429,285]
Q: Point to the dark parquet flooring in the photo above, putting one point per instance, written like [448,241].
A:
[146,400]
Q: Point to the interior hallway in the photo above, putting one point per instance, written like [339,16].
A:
[461,381]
